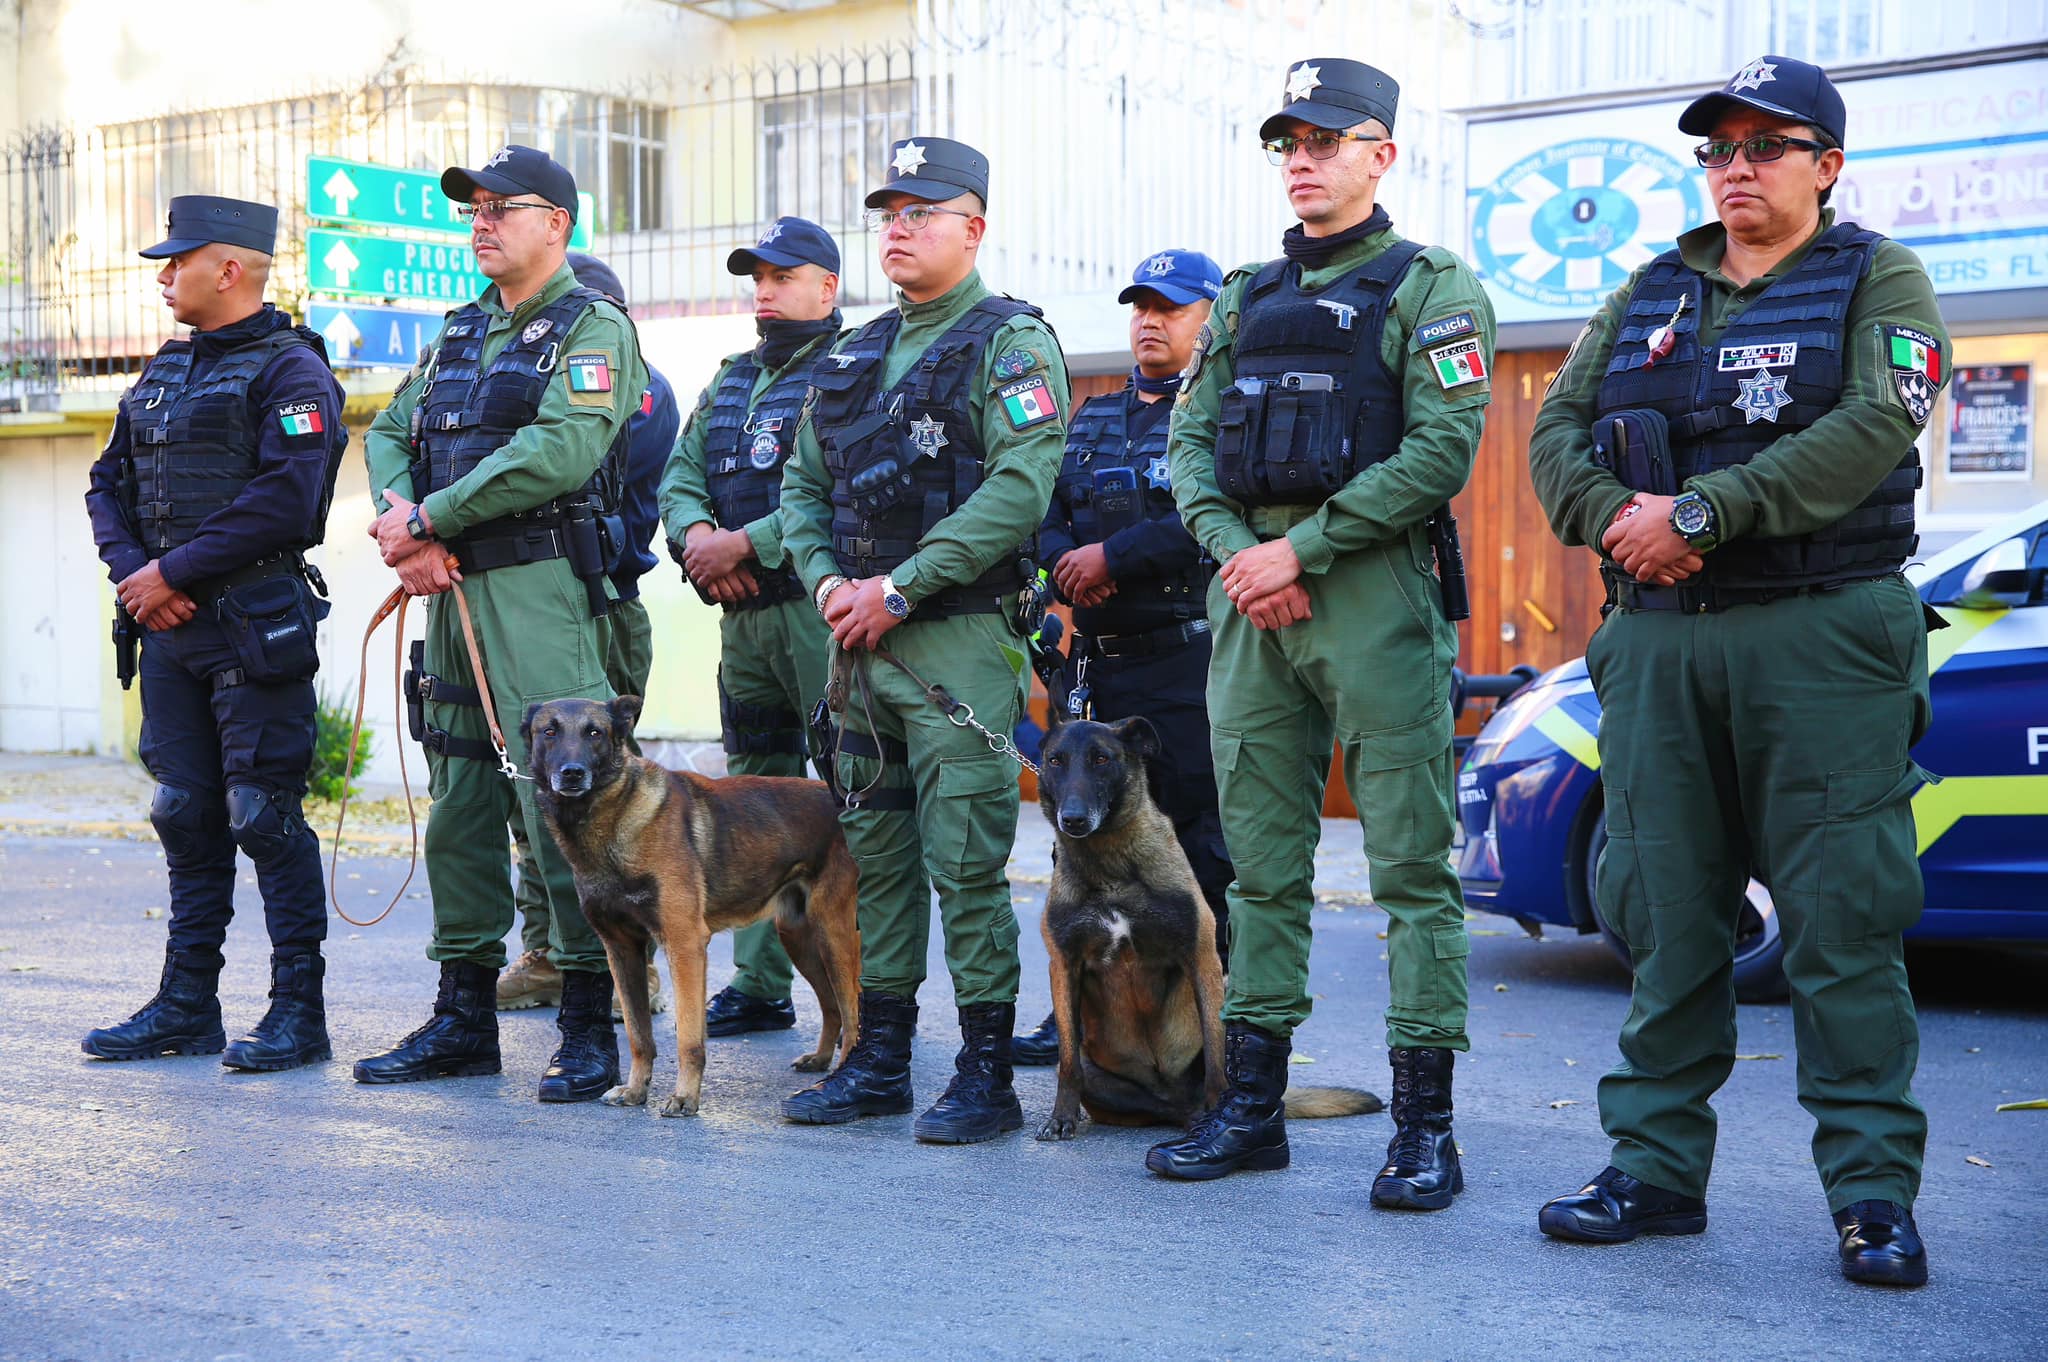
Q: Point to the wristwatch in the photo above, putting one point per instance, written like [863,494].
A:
[825,590]
[417,527]
[894,601]
[1694,521]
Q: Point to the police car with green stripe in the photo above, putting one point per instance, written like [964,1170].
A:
[1529,786]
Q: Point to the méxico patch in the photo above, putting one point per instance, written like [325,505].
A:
[1446,328]
[1458,364]
[300,418]
[1740,359]
[1913,352]
[590,378]
[1028,403]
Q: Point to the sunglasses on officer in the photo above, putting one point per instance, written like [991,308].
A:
[494,210]
[1321,144]
[1764,146]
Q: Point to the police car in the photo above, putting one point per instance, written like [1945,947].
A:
[1529,786]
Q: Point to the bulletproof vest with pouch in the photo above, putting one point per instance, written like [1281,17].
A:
[1313,402]
[746,442]
[1776,369]
[1097,438]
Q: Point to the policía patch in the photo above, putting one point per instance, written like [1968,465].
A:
[1446,328]
[1459,363]
[1741,359]
[300,418]
[1028,403]
[590,377]
[1013,364]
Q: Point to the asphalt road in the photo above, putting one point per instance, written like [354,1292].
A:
[173,1210]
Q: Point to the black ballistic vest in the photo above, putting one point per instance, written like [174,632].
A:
[1313,402]
[747,442]
[1782,390]
[193,445]
[904,459]
[1098,438]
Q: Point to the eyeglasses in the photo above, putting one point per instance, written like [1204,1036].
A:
[1765,146]
[1321,144]
[914,218]
[494,210]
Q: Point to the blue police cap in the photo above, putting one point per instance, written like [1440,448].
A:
[1796,91]
[1333,92]
[788,242]
[933,169]
[201,220]
[594,273]
[1179,276]
[515,170]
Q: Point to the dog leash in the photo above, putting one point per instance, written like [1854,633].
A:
[395,604]
[958,712]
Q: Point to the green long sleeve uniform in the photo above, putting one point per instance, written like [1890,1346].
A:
[944,814]
[533,625]
[1370,670]
[1770,740]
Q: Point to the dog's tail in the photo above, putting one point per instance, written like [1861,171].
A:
[1309,1104]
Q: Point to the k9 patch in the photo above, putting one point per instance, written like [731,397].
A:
[1013,364]
[300,418]
[1917,395]
[590,378]
[1028,403]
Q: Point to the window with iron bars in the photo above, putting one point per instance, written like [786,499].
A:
[816,148]
[615,148]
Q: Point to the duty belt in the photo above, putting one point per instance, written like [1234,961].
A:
[1706,598]
[285,563]
[485,549]
[1151,642]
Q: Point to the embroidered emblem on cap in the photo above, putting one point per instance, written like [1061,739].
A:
[909,159]
[1157,475]
[1753,76]
[1158,265]
[928,437]
[502,155]
[768,237]
[1763,393]
[1303,80]
[535,330]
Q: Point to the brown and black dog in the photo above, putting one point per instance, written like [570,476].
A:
[674,857]
[1136,985]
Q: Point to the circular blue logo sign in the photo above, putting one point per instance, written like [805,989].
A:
[1566,226]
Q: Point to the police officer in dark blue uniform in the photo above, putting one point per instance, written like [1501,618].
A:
[1137,580]
[215,481]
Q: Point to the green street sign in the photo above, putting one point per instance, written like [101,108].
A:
[356,193]
[357,265]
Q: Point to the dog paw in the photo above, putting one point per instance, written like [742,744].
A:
[625,1096]
[1059,1128]
[812,1064]
[679,1105]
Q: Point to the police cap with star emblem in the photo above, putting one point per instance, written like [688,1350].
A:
[788,242]
[202,219]
[1779,86]
[1332,92]
[933,169]
[515,170]
[1179,276]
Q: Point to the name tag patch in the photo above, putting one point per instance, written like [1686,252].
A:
[1459,363]
[1028,403]
[1741,359]
[1446,328]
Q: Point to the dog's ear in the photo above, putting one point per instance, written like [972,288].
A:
[625,712]
[1055,712]
[1138,736]
[526,722]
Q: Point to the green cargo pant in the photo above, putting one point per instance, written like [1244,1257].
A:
[1371,670]
[1768,740]
[538,642]
[771,671]
[628,657]
[945,813]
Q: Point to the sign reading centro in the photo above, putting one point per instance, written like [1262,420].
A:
[361,194]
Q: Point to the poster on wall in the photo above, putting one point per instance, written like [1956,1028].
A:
[1562,207]
[1991,421]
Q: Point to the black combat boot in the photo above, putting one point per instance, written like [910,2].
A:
[731,1013]
[182,1019]
[587,1065]
[979,1104]
[1422,1172]
[1246,1130]
[1615,1207]
[1880,1244]
[1038,1047]
[875,1079]
[459,1040]
[294,1030]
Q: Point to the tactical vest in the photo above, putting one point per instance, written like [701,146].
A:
[746,442]
[193,445]
[1313,402]
[1097,439]
[904,459]
[1775,371]
[469,410]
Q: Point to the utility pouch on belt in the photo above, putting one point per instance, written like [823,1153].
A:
[1635,446]
[1274,442]
[270,622]
[587,557]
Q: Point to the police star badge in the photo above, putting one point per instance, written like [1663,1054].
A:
[535,330]
[503,155]
[768,237]
[1303,80]
[1157,474]
[928,437]
[1753,76]
[1159,265]
[909,159]
[1763,393]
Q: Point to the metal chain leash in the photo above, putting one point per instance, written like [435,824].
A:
[959,713]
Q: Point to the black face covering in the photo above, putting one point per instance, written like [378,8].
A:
[1165,387]
[780,340]
[1313,252]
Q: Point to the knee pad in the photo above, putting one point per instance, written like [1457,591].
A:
[179,818]
[263,823]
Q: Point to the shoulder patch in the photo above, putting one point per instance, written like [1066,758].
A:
[1447,327]
[1458,363]
[1916,395]
[301,420]
[1913,351]
[1028,402]
[589,373]
[1014,363]
[1569,355]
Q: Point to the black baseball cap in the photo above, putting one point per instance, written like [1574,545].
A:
[1334,93]
[594,273]
[933,169]
[197,220]
[515,170]
[788,242]
[1180,276]
[1780,86]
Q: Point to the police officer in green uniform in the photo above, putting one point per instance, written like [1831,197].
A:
[1333,410]
[721,499]
[506,449]
[1735,432]
[920,475]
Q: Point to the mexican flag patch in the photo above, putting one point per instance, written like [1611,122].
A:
[300,418]
[1456,365]
[590,374]
[1913,352]
[1028,402]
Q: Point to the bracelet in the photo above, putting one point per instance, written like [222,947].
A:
[825,590]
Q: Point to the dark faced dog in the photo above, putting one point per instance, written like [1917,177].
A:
[673,857]
[1136,985]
